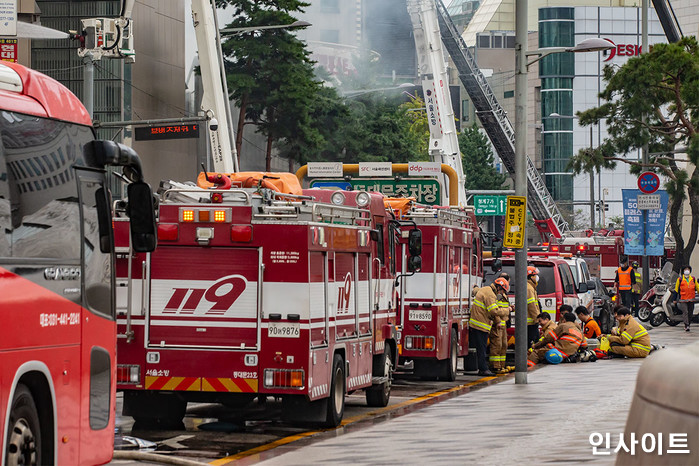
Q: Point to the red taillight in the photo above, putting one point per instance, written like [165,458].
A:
[241,233]
[418,342]
[554,248]
[168,232]
[128,374]
[284,378]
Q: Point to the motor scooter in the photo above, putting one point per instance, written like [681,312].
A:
[653,298]
[667,311]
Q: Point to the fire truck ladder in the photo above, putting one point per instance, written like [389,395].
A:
[547,217]
[668,20]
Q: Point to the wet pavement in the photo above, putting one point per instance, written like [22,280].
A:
[549,420]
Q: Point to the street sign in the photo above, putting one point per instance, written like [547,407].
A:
[648,182]
[515,218]
[490,205]
[375,169]
[151,133]
[424,190]
[648,201]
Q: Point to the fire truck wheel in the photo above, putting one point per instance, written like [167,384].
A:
[379,395]
[24,433]
[448,366]
[336,400]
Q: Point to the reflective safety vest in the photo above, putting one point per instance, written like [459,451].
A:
[484,304]
[686,287]
[624,278]
[639,283]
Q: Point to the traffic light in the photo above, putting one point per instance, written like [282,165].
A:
[606,206]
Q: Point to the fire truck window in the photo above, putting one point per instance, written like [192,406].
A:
[40,154]
[97,275]
[5,218]
[566,278]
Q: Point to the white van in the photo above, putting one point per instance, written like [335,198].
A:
[583,281]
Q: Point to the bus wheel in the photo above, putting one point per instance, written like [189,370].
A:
[336,400]
[383,367]
[24,435]
[448,366]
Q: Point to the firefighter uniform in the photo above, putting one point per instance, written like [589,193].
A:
[483,310]
[533,311]
[636,291]
[633,340]
[498,335]
[550,325]
[566,338]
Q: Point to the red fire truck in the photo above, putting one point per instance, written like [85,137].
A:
[254,292]
[435,301]
[603,251]
[57,350]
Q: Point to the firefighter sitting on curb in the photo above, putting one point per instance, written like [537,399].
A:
[483,311]
[498,333]
[533,308]
[565,338]
[630,338]
[590,327]
[547,325]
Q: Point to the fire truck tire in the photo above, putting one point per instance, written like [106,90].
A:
[448,366]
[24,432]
[336,400]
[378,396]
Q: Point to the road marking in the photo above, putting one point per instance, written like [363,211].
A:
[174,442]
[345,422]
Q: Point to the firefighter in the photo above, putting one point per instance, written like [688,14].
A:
[498,333]
[686,288]
[533,308]
[590,327]
[624,280]
[566,338]
[636,288]
[483,311]
[546,324]
[630,338]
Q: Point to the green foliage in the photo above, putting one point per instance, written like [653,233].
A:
[662,86]
[419,124]
[478,162]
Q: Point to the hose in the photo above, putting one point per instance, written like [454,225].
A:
[155,458]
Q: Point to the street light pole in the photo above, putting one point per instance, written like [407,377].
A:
[520,180]
[592,189]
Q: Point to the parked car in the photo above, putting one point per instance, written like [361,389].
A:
[603,306]
[583,280]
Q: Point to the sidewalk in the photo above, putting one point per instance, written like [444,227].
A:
[549,420]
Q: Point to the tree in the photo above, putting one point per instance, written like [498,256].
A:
[661,86]
[419,124]
[478,162]
[270,74]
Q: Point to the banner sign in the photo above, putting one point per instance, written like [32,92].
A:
[324,169]
[8,50]
[424,168]
[636,237]
[425,191]
[515,219]
[375,169]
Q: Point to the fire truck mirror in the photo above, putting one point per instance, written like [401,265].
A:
[414,263]
[104,221]
[591,285]
[497,248]
[415,242]
[374,234]
[582,287]
[496,266]
[141,213]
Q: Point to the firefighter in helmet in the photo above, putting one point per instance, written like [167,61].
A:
[498,333]
[484,309]
[533,308]
[566,338]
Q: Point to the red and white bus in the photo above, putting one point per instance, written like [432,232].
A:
[58,340]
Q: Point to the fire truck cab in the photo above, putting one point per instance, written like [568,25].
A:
[252,293]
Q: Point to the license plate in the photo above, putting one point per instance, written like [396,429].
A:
[283,330]
[660,288]
[420,315]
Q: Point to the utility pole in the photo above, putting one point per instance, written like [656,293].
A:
[89,83]
[644,49]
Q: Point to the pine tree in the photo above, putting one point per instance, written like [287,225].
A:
[478,161]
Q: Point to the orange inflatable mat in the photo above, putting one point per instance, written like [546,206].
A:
[400,205]
[286,183]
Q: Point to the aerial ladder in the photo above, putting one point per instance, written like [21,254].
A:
[666,15]
[113,38]
[431,19]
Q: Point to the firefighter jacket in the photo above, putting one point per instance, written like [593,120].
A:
[632,333]
[549,327]
[566,338]
[533,309]
[686,287]
[503,312]
[636,287]
[485,308]
[625,278]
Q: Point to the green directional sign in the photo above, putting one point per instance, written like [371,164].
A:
[424,190]
[490,205]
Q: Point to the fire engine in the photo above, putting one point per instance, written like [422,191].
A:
[434,302]
[253,292]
